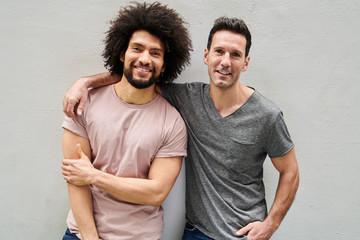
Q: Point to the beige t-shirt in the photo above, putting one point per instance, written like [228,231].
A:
[124,140]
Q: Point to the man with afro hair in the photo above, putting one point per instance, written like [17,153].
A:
[124,153]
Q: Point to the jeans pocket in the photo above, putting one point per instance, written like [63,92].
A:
[189,227]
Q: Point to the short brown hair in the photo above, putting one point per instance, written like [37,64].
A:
[235,25]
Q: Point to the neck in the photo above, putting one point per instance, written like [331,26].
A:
[129,94]
[228,100]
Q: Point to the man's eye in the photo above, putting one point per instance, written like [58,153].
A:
[156,54]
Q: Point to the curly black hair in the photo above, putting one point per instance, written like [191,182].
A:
[158,20]
[235,25]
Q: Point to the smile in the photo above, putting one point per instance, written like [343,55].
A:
[223,72]
[142,69]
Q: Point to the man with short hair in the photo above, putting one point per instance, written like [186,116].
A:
[130,140]
[231,130]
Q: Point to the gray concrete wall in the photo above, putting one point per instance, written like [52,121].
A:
[305,57]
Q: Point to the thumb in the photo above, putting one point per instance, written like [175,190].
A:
[243,231]
[80,151]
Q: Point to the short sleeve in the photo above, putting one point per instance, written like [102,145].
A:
[278,141]
[76,126]
[175,143]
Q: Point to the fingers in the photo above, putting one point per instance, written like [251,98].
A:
[69,106]
[65,170]
[81,105]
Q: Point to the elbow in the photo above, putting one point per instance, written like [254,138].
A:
[158,199]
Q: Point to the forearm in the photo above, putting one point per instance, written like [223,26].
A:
[81,205]
[150,191]
[100,80]
[133,190]
[285,194]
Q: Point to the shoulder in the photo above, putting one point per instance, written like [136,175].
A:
[99,93]
[193,86]
[98,98]
[264,106]
[169,109]
[169,117]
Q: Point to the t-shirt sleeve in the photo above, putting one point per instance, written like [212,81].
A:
[76,126]
[278,141]
[175,143]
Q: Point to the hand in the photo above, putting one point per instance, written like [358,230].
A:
[257,231]
[75,98]
[78,171]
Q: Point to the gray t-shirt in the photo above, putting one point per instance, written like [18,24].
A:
[224,165]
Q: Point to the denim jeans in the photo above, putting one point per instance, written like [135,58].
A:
[70,236]
[192,233]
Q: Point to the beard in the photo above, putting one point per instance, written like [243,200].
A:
[138,83]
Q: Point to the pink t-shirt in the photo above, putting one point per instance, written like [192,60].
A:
[124,140]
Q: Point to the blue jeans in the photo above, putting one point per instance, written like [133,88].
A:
[70,236]
[192,233]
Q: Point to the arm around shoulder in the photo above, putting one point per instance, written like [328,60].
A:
[75,98]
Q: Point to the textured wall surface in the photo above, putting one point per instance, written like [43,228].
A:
[305,57]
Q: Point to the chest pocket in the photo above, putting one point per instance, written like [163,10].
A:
[244,155]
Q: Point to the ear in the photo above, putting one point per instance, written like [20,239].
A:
[246,64]
[122,57]
[206,53]
[163,68]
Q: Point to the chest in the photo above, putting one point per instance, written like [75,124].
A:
[124,141]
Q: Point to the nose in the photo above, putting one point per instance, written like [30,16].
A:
[144,58]
[225,60]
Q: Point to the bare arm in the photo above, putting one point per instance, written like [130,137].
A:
[285,194]
[80,196]
[151,191]
[75,98]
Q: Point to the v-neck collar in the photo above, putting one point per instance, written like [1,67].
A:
[211,106]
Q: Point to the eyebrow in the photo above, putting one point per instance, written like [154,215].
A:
[236,51]
[141,45]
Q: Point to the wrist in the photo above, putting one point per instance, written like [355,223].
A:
[93,176]
[85,82]
[272,224]
[92,236]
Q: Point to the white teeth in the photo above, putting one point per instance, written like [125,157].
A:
[225,73]
[143,69]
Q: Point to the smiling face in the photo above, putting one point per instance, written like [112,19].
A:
[226,58]
[143,59]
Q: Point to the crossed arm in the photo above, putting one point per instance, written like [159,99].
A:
[151,191]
